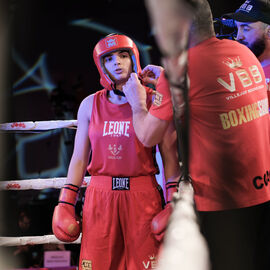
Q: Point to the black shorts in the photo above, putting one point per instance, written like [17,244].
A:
[238,239]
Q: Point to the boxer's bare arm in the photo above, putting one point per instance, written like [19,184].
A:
[82,147]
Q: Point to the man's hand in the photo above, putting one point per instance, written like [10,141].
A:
[150,74]
[135,93]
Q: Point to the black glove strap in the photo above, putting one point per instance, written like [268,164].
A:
[72,187]
[66,203]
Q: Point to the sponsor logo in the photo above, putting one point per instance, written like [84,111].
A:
[260,182]
[120,183]
[115,151]
[158,99]
[111,42]
[18,124]
[244,114]
[116,128]
[150,263]
[233,63]
[247,77]
[86,265]
[246,7]
[13,185]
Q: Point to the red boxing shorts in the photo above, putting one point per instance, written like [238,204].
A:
[117,217]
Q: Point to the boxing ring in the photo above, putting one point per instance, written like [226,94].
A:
[183,247]
[38,183]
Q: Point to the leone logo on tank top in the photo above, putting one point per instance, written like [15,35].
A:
[116,128]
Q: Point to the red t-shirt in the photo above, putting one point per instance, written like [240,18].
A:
[116,151]
[162,106]
[229,126]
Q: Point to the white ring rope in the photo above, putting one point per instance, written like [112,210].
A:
[39,183]
[36,183]
[184,246]
[38,125]
[33,240]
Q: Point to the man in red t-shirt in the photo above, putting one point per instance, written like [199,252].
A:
[229,141]
[252,21]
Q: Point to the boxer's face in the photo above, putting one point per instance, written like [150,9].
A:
[118,65]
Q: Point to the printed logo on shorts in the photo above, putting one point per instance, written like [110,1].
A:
[86,265]
[120,183]
[111,42]
[150,263]
[158,99]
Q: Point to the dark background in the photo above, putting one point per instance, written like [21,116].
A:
[46,27]
[49,70]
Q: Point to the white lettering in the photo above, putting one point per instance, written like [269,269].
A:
[121,128]
[127,128]
[231,86]
[116,128]
[244,77]
[104,129]
[257,76]
[263,107]
[146,265]
[110,128]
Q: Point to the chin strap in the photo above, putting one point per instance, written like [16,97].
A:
[118,92]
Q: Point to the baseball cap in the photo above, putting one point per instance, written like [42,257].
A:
[252,11]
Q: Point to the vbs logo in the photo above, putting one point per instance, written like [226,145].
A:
[111,42]
[150,263]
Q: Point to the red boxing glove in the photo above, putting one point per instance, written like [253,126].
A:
[160,221]
[64,224]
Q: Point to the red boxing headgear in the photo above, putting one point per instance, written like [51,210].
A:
[111,43]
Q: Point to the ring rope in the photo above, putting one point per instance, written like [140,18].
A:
[38,125]
[39,183]
[33,240]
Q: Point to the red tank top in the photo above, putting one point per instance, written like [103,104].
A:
[116,151]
